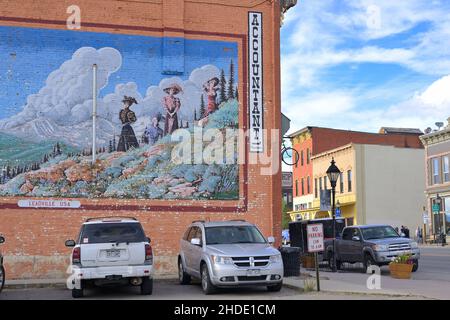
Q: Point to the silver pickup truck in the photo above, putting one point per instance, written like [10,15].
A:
[371,245]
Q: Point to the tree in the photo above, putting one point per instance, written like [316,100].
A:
[285,218]
[230,92]
[223,87]
[202,107]
[237,93]
[195,115]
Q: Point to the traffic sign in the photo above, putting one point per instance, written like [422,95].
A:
[436,208]
[315,237]
[338,212]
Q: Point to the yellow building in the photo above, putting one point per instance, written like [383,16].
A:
[379,184]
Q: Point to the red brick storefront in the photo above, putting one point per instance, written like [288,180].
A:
[35,237]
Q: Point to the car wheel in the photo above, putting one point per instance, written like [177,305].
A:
[275,288]
[147,286]
[77,293]
[182,275]
[368,262]
[207,286]
[2,278]
[415,266]
[330,262]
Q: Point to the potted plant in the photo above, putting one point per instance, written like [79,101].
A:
[308,261]
[401,266]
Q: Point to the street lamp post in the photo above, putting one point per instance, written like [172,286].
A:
[333,174]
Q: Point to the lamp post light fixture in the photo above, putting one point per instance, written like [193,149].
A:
[333,174]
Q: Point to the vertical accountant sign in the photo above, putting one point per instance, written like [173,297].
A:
[255,49]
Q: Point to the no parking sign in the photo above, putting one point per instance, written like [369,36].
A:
[315,237]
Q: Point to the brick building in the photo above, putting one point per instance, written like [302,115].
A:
[312,141]
[186,65]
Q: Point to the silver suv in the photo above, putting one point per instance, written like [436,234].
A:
[111,250]
[227,254]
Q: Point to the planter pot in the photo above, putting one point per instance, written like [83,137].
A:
[308,262]
[400,270]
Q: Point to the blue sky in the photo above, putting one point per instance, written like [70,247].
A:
[29,55]
[363,64]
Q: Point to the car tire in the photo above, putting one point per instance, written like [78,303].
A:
[207,286]
[77,293]
[147,286]
[275,288]
[183,277]
[368,261]
[2,278]
[415,265]
[330,262]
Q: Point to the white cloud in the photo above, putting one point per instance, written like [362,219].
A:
[344,110]
[62,109]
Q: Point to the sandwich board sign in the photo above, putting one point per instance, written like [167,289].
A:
[315,237]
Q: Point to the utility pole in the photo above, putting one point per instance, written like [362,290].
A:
[94,111]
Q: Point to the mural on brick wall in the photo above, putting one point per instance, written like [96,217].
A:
[46,115]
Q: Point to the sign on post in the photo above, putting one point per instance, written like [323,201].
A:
[436,208]
[315,237]
[315,244]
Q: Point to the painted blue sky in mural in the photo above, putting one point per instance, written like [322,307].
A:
[29,55]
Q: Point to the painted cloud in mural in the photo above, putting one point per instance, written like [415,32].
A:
[62,109]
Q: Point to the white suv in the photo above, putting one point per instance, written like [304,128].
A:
[111,250]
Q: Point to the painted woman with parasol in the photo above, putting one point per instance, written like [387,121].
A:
[127,117]
[172,105]
[211,87]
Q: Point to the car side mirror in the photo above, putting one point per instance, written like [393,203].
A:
[70,243]
[2,239]
[196,242]
[149,240]
[271,240]
[356,238]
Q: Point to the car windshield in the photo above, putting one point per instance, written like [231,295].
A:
[233,234]
[112,232]
[379,232]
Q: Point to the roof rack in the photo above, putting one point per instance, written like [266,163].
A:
[200,221]
[238,220]
[111,217]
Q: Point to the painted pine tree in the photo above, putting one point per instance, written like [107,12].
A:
[230,92]
[202,107]
[223,87]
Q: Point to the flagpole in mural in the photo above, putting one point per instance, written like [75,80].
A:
[94,110]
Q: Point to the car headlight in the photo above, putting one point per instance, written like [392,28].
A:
[414,245]
[380,247]
[275,258]
[222,260]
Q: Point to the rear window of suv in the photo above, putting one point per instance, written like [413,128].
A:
[112,232]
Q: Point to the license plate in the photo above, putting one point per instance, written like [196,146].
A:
[253,272]
[112,253]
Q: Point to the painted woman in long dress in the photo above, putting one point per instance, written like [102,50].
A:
[127,117]
[172,105]
[211,87]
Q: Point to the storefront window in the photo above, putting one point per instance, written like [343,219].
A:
[447,214]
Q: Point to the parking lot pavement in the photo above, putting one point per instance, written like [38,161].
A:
[171,290]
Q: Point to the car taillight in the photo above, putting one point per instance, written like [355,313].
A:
[148,253]
[76,255]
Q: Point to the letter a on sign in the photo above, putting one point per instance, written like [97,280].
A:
[255,81]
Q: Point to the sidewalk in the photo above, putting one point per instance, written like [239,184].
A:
[356,283]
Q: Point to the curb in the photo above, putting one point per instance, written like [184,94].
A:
[386,294]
